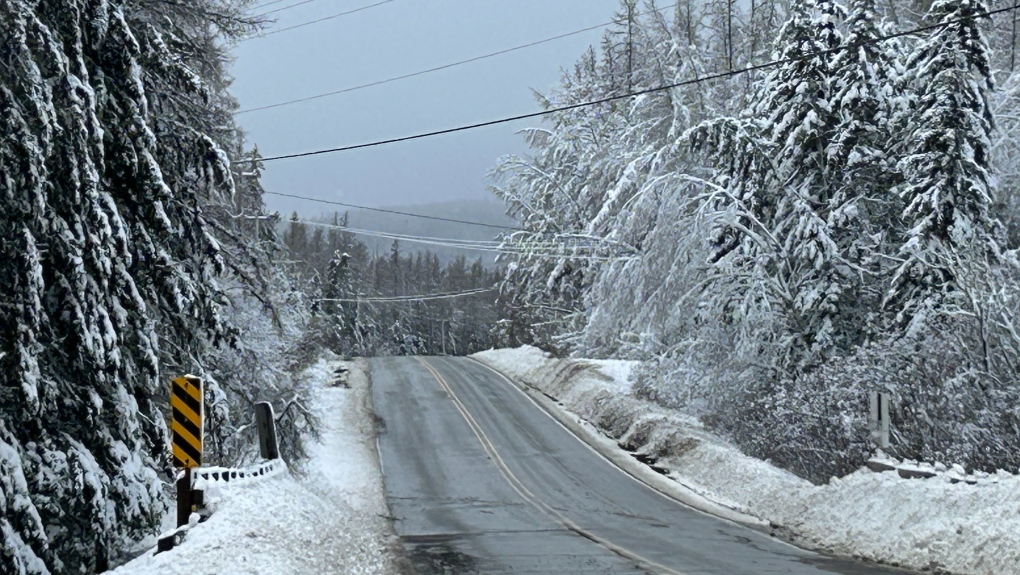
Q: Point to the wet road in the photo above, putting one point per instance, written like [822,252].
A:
[481,480]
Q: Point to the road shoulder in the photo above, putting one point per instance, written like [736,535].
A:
[327,518]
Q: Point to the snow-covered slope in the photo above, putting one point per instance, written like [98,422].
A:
[920,524]
[327,520]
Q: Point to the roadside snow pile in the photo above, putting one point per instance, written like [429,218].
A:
[345,460]
[940,523]
[328,521]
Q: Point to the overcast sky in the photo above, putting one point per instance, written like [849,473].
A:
[396,38]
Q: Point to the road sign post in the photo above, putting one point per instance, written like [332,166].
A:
[184,498]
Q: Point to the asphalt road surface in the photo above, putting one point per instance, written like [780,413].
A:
[481,480]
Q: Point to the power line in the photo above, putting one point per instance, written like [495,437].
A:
[283,8]
[554,250]
[449,242]
[479,245]
[557,241]
[316,21]
[431,70]
[445,242]
[386,211]
[608,99]
[423,297]
[268,4]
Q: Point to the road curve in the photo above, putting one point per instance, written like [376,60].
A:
[480,479]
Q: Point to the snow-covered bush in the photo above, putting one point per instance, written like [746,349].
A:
[264,363]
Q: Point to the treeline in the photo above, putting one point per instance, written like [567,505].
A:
[397,303]
[778,243]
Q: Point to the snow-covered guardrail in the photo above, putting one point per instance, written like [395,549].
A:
[909,469]
[194,482]
[205,477]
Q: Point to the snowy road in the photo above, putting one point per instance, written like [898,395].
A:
[481,480]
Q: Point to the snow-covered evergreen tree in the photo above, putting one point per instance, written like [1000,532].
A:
[945,159]
[110,262]
[867,99]
[777,178]
[340,316]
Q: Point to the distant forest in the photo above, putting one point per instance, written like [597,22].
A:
[403,301]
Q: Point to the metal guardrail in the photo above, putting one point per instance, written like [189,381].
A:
[204,477]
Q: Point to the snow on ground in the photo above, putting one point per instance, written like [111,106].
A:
[916,523]
[346,460]
[330,519]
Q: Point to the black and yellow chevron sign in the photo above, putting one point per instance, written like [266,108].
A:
[186,422]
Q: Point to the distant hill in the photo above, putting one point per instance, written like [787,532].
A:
[482,211]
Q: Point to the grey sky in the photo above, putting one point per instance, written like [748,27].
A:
[397,38]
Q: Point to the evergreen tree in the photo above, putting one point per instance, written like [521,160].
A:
[104,173]
[296,237]
[341,316]
[867,84]
[947,188]
[778,176]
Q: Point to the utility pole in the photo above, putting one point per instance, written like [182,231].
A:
[630,47]
[729,34]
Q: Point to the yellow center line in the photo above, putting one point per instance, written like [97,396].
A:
[525,493]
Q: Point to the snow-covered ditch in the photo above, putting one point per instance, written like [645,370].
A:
[328,519]
[936,524]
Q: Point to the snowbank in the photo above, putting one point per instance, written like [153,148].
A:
[920,524]
[330,520]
